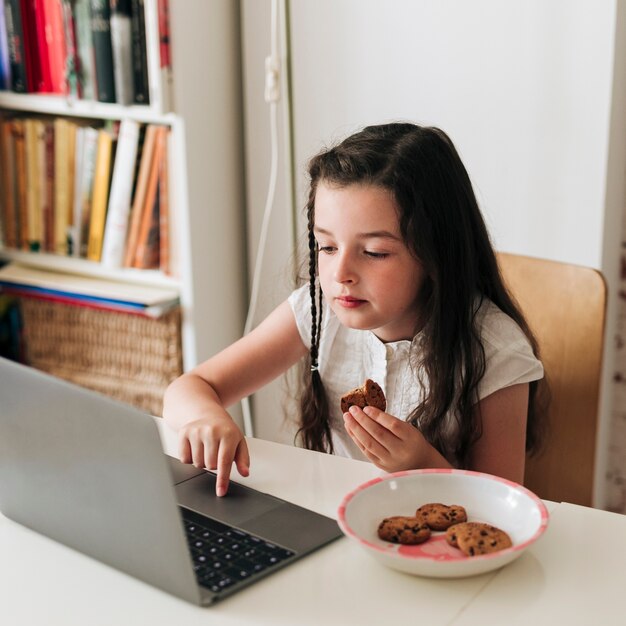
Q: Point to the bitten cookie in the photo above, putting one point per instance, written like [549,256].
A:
[474,538]
[441,516]
[404,530]
[370,394]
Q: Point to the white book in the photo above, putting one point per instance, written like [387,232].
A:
[85,170]
[159,69]
[121,43]
[118,212]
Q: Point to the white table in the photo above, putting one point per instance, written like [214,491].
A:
[573,575]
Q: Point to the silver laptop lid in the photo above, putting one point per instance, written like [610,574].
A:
[90,473]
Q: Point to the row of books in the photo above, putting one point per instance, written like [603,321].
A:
[87,189]
[89,49]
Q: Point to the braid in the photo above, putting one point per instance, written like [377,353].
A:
[314,427]
[312,288]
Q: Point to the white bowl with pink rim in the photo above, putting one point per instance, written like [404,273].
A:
[486,498]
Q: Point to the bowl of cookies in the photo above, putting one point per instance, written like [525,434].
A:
[443,523]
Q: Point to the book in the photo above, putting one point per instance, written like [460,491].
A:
[157,41]
[64,149]
[85,172]
[102,50]
[5,64]
[72,85]
[56,44]
[139,194]
[85,66]
[48,187]
[86,288]
[174,225]
[41,35]
[73,231]
[164,208]
[9,191]
[116,226]
[165,54]
[121,41]
[31,46]
[34,137]
[15,36]
[100,196]
[146,254]
[21,213]
[141,86]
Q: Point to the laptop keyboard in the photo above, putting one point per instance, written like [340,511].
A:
[223,555]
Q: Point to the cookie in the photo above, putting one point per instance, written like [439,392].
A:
[370,394]
[441,516]
[474,538]
[404,530]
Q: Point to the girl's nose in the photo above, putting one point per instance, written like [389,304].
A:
[344,269]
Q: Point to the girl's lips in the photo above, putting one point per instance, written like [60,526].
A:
[350,303]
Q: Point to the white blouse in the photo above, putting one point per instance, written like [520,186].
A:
[348,356]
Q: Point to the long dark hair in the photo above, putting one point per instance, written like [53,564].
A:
[442,225]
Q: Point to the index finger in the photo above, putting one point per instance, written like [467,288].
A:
[224,466]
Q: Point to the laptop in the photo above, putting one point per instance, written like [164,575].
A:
[90,472]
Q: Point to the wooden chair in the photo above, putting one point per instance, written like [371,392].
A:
[565,307]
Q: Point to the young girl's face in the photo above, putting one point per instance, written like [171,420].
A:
[369,277]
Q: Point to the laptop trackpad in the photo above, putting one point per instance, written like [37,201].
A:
[239,505]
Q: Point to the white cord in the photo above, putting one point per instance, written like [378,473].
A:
[272,95]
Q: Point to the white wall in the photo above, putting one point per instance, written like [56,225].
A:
[524,89]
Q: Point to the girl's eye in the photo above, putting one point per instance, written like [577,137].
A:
[376,255]
[326,249]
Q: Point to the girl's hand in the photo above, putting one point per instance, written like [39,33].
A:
[214,443]
[388,442]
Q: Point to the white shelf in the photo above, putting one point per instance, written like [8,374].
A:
[61,105]
[83,267]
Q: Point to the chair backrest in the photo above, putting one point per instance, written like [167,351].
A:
[565,307]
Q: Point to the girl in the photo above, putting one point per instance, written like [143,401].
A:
[404,289]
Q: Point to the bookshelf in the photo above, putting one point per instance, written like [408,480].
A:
[206,180]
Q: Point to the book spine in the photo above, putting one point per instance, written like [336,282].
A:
[139,195]
[103,50]
[15,36]
[7,159]
[85,69]
[71,82]
[41,34]
[31,46]
[57,45]
[100,197]
[141,85]
[48,212]
[165,55]
[146,255]
[74,230]
[64,149]
[20,178]
[120,196]
[88,168]
[164,209]
[33,187]
[5,63]
[121,41]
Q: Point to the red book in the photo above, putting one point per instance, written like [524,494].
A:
[56,44]
[31,47]
[42,50]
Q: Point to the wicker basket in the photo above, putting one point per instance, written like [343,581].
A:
[128,357]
